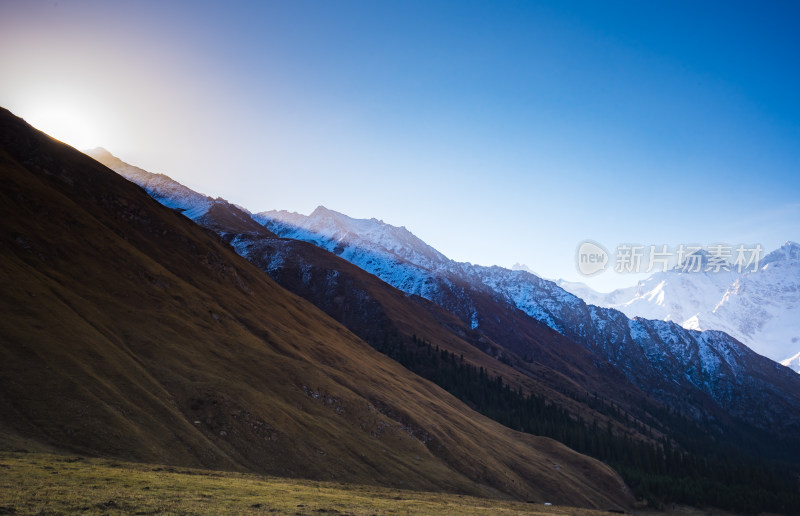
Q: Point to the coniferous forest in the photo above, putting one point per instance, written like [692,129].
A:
[693,469]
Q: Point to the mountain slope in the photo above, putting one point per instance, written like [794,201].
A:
[527,355]
[664,359]
[512,316]
[129,331]
[216,214]
[724,377]
[759,308]
[705,376]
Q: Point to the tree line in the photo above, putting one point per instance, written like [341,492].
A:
[690,467]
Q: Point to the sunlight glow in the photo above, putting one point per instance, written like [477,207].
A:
[69,125]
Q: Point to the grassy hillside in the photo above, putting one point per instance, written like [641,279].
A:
[131,332]
[525,375]
[391,321]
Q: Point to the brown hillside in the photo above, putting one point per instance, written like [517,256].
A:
[378,312]
[129,331]
[373,309]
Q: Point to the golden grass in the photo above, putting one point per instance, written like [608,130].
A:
[44,483]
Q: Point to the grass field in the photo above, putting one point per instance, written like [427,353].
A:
[55,484]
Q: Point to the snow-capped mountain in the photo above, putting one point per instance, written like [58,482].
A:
[759,308]
[709,375]
[654,354]
[373,234]
[392,253]
[522,267]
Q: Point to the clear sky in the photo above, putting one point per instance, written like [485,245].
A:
[498,132]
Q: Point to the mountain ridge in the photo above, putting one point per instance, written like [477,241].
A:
[132,332]
[368,244]
[567,314]
[336,285]
[759,308]
[731,395]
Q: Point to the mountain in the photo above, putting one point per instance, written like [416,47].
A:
[521,267]
[217,214]
[793,363]
[707,376]
[129,331]
[533,327]
[391,253]
[393,321]
[759,308]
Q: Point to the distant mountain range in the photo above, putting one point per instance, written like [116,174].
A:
[651,354]
[759,308]
[648,380]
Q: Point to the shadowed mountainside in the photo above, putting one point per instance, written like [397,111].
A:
[131,332]
[508,323]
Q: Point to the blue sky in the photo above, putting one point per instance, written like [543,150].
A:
[496,131]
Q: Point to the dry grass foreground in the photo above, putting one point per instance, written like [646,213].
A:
[54,484]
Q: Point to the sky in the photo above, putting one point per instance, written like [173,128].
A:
[498,132]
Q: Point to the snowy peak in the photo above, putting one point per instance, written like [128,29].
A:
[339,233]
[100,153]
[162,188]
[792,363]
[521,267]
[790,251]
[321,212]
[697,261]
[280,216]
[759,308]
